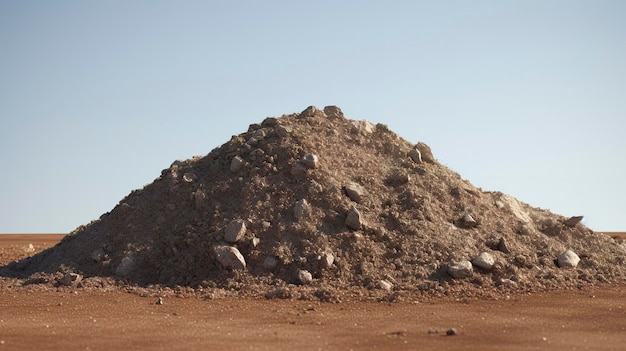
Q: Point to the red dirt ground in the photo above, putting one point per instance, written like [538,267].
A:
[71,319]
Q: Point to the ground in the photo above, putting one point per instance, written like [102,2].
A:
[75,319]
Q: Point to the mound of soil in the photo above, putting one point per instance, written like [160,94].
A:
[317,205]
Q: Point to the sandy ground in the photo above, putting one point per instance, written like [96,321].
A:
[63,319]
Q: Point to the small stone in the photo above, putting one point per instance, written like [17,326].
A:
[302,209]
[98,255]
[508,283]
[355,191]
[229,257]
[305,277]
[503,246]
[279,293]
[70,279]
[568,259]
[415,155]
[461,270]
[310,160]
[485,261]
[353,220]
[327,260]
[573,221]
[281,131]
[451,332]
[159,301]
[189,177]
[255,241]
[236,164]
[30,248]
[126,265]
[425,152]
[385,285]
[235,231]
[467,222]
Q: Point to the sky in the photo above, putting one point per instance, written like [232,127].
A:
[97,97]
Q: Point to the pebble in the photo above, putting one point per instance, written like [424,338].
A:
[305,277]
[310,161]
[302,209]
[355,191]
[451,332]
[485,261]
[568,259]
[236,163]
[159,301]
[468,222]
[353,220]
[385,285]
[235,231]
[461,270]
[229,257]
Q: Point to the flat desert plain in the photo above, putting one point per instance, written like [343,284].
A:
[75,319]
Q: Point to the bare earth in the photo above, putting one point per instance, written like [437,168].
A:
[65,318]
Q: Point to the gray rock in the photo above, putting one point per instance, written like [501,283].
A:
[508,283]
[568,259]
[426,153]
[461,270]
[126,265]
[70,279]
[281,131]
[327,259]
[353,220]
[310,160]
[312,111]
[235,231]
[355,191]
[485,261]
[298,168]
[305,277]
[236,164]
[573,221]
[302,209]
[362,127]
[229,257]
[503,246]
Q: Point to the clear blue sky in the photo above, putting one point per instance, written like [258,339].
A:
[97,97]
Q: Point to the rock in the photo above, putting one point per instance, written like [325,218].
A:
[353,220]
[302,209]
[70,279]
[159,301]
[362,127]
[415,155]
[425,152]
[503,246]
[98,255]
[385,285]
[305,277]
[461,270]
[508,283]
[327,259]
[485,261]
[312,111]
[451,332]
[568,259]
[333,112]
[30,248]
[467,222]
[281,131]
[573,221]
[190,177]
[270,263]
[235,231]
[355,191]
[310,161]
[229,257]
[236,164]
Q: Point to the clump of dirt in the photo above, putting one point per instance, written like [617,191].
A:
[316,205]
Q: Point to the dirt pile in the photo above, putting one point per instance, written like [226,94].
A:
[320,205]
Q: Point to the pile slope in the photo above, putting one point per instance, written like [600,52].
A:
[323,206]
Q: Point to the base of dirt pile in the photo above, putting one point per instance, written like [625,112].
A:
[317,206]
[40,316]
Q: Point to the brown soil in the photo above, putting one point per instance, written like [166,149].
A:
[71,318]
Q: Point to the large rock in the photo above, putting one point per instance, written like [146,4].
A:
[229,257]
[333,112]
[425,152]
[461,270]
[568,259]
